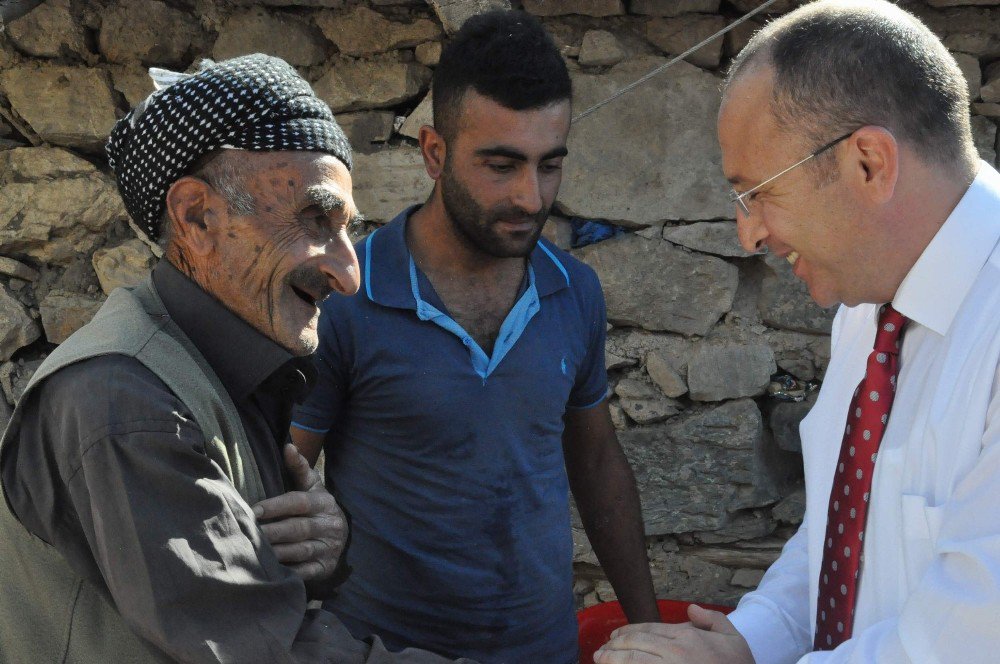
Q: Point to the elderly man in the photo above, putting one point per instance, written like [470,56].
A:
[147,516]
[845,132]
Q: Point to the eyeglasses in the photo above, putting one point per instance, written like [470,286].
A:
[740,199]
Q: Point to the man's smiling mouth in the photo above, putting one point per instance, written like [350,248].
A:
[311,298]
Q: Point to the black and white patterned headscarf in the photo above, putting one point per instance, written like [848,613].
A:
[254,102]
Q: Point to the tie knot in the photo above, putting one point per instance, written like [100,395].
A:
[890,327]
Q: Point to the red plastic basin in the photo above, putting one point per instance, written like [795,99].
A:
[598,621]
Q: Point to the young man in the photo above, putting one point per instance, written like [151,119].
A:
[465,383]
[845,132]
[146,514]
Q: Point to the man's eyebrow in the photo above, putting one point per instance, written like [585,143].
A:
[501,151]
[356,219]
[511,153]
[324,199]
[558,152]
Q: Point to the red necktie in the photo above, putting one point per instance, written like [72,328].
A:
[852,481]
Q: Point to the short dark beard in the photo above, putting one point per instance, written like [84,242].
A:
[474,225]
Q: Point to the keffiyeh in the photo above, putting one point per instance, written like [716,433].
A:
[254,102]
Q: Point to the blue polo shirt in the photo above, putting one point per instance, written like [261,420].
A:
[450,461]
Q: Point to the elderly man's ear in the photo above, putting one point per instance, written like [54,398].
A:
[196,212]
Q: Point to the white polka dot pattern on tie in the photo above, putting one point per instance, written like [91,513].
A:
[869,416]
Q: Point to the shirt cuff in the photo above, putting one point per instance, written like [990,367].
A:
[310,420]
[590,403]
[766,632]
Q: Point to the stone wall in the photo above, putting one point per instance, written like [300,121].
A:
[698,327]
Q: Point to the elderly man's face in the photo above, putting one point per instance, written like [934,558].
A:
[812,222]
[274,267]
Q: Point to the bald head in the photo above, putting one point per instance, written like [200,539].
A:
[839,65]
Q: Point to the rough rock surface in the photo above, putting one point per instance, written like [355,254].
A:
[690,469]
[785,418]
[670,381]
[63,313]
[79,110]
[616,172]
[652,284]
[148,31]
[673,7]
[676,35]
[990,92]
[254,31]
[984,133]
[710,237]
[785,303]
[348,86]
[55,205]
[17,328]
[600,48]
[124,265]
[584,7]
[14,377]
[17,269]
[453,13]
[365,130]
[49,31]
[389,181]
[422,115]
[363,31]
[791,508]
[716,373]
[969,64]
[428,53]
[804,356]
[132,81]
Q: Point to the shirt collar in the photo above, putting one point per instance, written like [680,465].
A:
[241,357]
[938,282]
[386,260]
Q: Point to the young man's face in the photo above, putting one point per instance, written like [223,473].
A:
[502,173]
[273,267]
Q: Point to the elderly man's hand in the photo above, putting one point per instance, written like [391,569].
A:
[306,527]
[708,639]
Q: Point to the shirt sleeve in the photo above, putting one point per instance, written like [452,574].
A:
[774,618]
[130,498]
[953,613]
[591,385]
[324,403]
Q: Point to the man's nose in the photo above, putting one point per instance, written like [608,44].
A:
[340,265]
[751,232]
[528,195]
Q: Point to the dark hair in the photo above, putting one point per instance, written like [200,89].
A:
[840,66]
[504,55]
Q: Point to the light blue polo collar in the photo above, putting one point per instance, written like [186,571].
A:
[386,262]
[391,279]
[510,331]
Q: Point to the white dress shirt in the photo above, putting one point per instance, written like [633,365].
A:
[930,582]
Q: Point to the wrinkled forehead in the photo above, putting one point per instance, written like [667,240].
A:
[303,164]
[301,178]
